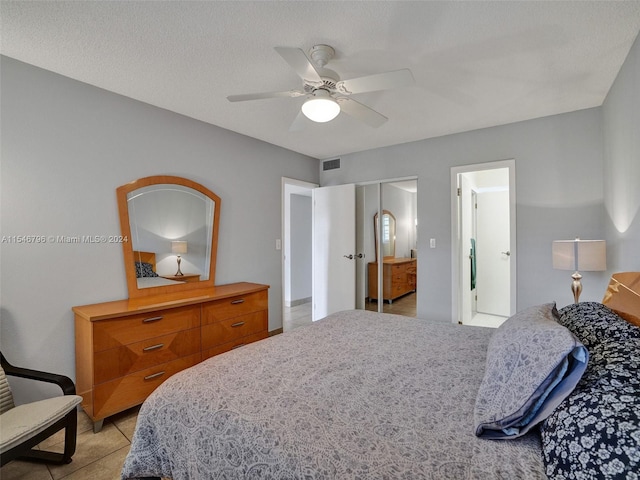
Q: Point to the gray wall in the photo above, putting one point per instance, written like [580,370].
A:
[621,113]
[559,193]
[301,255]
[66,147]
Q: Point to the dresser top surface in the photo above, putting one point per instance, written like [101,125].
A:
[118,308]
[394,261]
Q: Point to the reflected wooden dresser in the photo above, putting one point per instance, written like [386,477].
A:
[126,348]
[398,278]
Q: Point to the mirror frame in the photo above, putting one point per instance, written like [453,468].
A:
[127,247]
[376,231]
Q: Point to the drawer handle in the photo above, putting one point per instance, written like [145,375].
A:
[238,346]
[237,324]
[153,347]
[154,375]
[151,319]
[236,302]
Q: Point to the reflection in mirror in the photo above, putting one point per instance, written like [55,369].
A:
[388,234]
[172,223]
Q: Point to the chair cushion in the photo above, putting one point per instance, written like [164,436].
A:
[25,421]
[6,398]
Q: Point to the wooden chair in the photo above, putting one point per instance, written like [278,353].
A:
[25,426]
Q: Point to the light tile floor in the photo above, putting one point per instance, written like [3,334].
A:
[295,317]
[485,320]
[99,456]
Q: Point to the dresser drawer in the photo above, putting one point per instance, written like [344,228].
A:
[399,269]
[240,342]
[234,306]
[400,289]
[233,329]
[125,392]
[121,361]
[135,328]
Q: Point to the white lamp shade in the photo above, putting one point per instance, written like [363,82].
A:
[580,255]
[179,247]
[321,108]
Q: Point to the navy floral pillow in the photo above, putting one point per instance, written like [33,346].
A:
[144,269]
[593,323]
[595,432]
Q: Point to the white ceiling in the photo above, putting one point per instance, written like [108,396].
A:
[476,64]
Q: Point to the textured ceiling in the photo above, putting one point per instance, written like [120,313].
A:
[476,64]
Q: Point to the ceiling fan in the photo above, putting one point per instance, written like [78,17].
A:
[326,94]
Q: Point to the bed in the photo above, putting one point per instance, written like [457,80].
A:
[361,395]
[145,263]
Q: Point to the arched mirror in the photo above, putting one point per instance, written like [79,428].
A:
[388,233]
[172,227]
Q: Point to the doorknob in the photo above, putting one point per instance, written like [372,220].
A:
[350,257]
[507,253]
[360,255]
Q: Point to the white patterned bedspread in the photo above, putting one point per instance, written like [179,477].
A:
[357,395]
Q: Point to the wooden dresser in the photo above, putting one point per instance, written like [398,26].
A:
[126,348]
[398,278]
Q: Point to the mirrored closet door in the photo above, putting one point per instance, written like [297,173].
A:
[387,225]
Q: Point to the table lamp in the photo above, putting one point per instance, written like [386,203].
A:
[576,255]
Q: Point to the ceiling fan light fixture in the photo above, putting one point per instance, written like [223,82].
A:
[321,107]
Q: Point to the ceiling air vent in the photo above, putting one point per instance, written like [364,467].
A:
[331,164]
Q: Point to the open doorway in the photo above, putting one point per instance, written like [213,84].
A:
[296,253]
[483,236]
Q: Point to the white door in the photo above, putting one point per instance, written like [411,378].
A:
[493,253]
[334,255]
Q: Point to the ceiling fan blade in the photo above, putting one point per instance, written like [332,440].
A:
[378,81]
[298,123]
[361,112]
[296,58]
[260,96]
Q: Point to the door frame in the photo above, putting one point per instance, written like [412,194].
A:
[290,186]
[456,226]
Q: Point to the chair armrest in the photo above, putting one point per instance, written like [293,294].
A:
[64,382]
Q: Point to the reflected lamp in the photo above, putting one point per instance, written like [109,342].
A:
[179,247]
